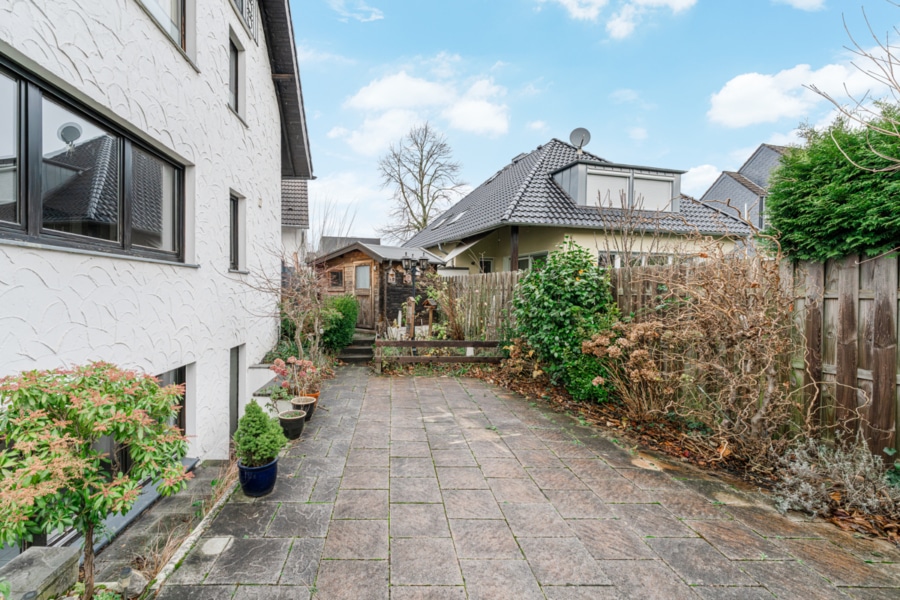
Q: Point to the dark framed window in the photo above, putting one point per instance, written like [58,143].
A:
[336,278]
[234,232]
[176,376]
[234,76]
[486,265]
[70,178]
[170,14]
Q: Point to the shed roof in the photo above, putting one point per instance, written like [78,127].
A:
[383,253]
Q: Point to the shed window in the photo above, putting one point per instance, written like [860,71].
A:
[363,281]
[336,278]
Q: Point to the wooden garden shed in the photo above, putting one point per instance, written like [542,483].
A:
[374,274]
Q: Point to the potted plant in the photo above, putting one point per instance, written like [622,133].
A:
[257,442]
[301,377]
[292,422]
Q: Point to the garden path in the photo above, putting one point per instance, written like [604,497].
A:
[441,488]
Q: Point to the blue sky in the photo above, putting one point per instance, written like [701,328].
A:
[683,84]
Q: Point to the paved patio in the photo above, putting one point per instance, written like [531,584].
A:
[446,489]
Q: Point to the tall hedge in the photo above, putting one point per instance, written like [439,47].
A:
[339,331]
[824,206]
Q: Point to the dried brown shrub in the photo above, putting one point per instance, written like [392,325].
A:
[714,348]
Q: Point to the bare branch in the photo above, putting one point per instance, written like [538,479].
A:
[423,177]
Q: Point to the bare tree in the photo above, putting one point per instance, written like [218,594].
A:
[880,62]
[327,218]
[424,178]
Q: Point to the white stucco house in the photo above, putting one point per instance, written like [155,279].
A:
[144,149]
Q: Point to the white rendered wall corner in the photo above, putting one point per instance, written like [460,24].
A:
[61,306]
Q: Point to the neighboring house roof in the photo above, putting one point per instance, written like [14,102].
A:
[383,253]
[328,244]
[525,193]
[276,21]
[742,192]
[87,186]
[756,189]
[294,203]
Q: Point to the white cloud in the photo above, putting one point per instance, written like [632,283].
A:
[355,9]
[586,10]
[476,112]
[444,65]
[623,23]
[399,91]
[308,56]
[754,98]
[391,105]
[804,4]
[627,15]
[377,133]
[337,132]
[638,134]
[698,179]
[537,125]
[345,203]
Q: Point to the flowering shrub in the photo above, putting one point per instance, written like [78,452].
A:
[299,376]
[53,474]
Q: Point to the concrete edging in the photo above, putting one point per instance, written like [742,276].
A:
[188,544]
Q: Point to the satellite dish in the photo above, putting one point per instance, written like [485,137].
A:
[580,137]
[69,132]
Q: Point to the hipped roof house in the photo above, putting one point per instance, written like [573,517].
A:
[530,205]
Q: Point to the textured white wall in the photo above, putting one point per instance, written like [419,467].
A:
[63,307]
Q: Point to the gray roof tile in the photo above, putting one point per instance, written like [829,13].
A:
[294,203]
[525,193]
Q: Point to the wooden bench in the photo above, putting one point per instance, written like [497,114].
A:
[415,344]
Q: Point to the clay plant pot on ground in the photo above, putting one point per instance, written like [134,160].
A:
[292,422]
[307,403]
[257,442]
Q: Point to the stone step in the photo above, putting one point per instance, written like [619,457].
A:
[355,358]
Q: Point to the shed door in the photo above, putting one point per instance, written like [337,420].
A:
[364,296]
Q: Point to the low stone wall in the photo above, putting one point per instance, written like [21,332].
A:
[48,572]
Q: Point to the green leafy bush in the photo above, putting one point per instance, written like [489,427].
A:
[824,206]
[284,349]
[340,328]
[258,438]
[53,472]
[558,306]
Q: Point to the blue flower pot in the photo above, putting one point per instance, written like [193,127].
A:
[258,481]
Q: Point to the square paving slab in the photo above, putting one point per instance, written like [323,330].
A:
[453,489]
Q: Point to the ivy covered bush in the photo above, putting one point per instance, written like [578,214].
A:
[342,324]
[840,193]
[557,307]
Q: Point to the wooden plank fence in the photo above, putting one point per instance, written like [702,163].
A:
[485,301]
[849,308]
[845,323]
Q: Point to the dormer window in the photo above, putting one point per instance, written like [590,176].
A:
[615,186]
[617,189]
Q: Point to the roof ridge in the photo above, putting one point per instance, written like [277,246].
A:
[527,181]
[746,182]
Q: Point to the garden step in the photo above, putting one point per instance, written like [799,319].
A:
[355,358]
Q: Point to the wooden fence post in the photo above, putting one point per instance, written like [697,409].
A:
[815,289]
[847,362]
[883,414]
